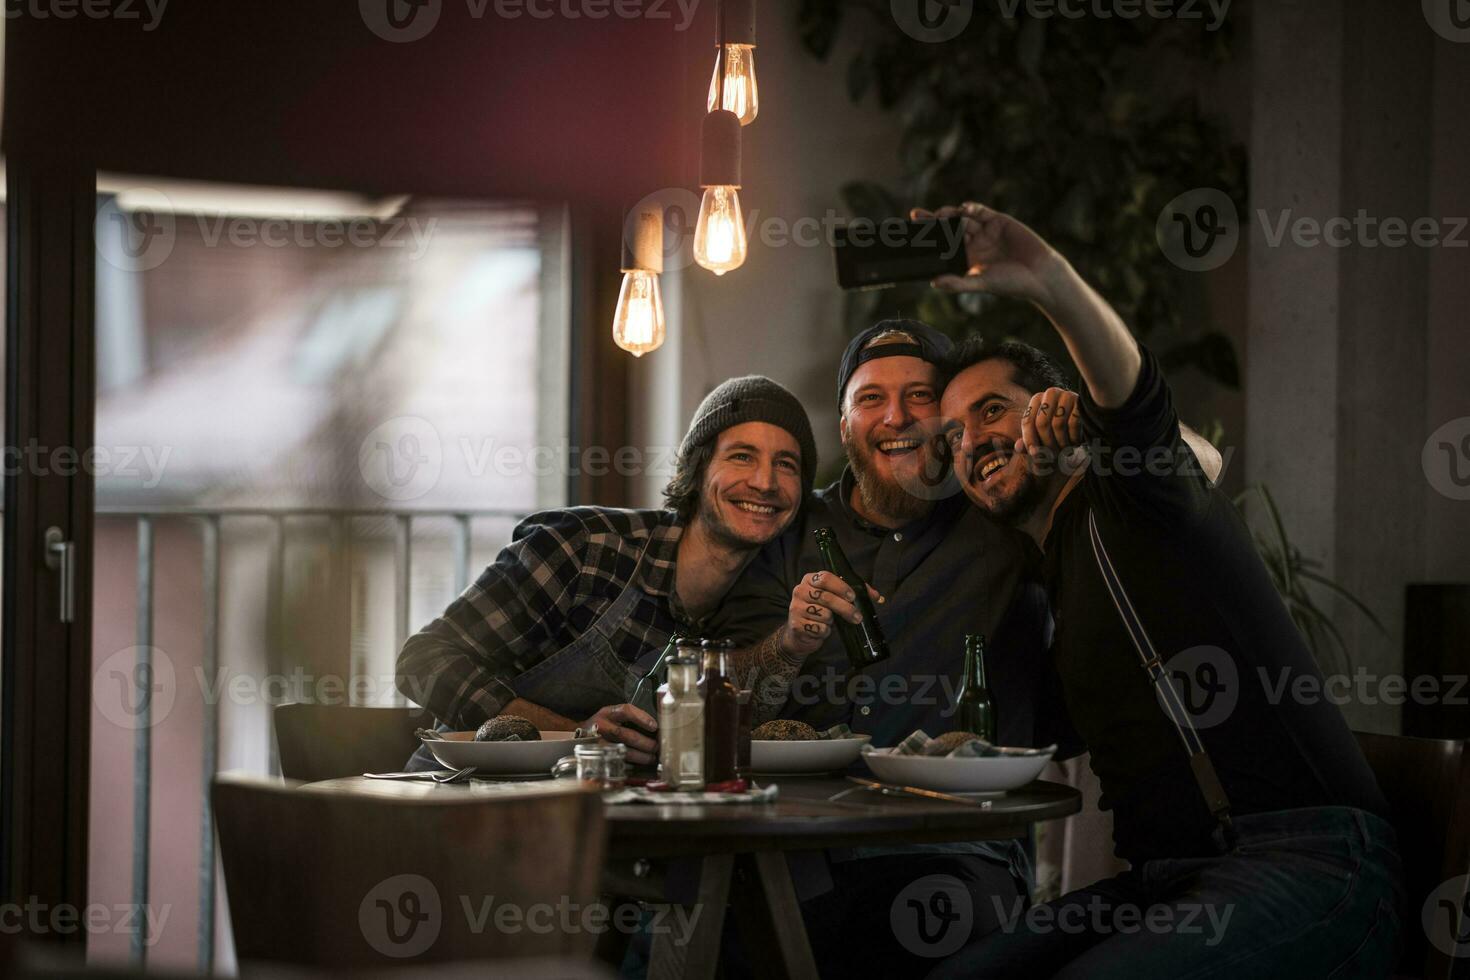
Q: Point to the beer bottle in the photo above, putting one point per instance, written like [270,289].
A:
[974,710]
[645,695]
[721,714]
[864,641]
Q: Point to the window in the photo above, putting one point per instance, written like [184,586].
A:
[320,415]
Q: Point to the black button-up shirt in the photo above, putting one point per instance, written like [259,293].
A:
[950,573]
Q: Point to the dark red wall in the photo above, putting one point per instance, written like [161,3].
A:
[305,93]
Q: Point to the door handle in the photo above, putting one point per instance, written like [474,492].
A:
[61,557]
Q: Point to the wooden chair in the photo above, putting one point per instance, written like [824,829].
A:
[353,879]
[317,741]
[1427,783]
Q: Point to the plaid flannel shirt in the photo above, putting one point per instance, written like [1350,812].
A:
[561,570]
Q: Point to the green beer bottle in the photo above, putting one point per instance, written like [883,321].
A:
[645,695]
[864,641]
[974,711]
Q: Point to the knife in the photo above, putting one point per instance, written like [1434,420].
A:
[915,791]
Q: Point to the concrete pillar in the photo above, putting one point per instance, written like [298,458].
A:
[1338,334]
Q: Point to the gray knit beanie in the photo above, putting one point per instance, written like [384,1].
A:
[754,398]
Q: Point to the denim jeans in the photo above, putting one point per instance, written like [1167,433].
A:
[1304,893]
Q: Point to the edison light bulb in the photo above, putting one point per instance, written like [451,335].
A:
[638,323]
[741,94]
[719,238]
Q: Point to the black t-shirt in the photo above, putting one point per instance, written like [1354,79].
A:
[1191,571]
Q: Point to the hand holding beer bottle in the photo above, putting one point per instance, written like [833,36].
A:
[818,599]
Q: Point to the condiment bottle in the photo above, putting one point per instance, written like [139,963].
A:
[721,714]
[681,720]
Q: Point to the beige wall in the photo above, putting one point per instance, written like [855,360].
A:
[780,314]
[1358,353]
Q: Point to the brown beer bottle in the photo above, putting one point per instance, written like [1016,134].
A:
[864,641]
[721,714]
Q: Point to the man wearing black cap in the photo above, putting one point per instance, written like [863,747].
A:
[560,629]
[942,570]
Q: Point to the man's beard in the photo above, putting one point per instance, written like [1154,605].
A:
[1013,510]
[880,495]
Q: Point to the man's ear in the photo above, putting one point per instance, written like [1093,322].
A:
[842,423]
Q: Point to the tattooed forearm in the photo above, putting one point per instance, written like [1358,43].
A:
[767,670]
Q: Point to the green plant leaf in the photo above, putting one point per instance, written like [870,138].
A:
[1357,603]
[817,23]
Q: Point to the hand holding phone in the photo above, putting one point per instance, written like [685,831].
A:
[875,254]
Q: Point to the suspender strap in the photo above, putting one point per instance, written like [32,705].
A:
[1205,776]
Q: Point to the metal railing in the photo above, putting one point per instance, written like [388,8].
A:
[210,521]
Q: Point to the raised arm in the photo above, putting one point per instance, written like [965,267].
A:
[1009,259]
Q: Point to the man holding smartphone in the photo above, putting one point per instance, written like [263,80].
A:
[1259,826]
[939,569]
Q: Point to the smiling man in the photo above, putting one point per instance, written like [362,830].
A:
[574,611]
[1260,811]
[942,570]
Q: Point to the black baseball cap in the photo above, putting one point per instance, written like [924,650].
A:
[928,345]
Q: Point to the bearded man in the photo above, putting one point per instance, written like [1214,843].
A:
[1261,813]
[939,570]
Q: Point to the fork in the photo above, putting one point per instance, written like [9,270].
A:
[453,777]
[424,777]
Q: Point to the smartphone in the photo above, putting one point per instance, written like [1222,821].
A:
[874,254]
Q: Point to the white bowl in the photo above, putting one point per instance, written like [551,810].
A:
[459,750]
[993,774]
[816,755]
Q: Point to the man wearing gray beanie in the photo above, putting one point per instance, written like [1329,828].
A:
[575,610]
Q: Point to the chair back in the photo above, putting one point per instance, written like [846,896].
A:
[1427,784]
[318,741]
[399,875]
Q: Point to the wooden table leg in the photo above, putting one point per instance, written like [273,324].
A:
[695,956]
[771,926]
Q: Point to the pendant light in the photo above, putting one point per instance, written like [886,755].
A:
[638,321]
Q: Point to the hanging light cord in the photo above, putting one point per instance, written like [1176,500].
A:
[720,54]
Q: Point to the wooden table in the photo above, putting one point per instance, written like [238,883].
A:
[739,850]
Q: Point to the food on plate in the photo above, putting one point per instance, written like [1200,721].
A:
[948,742]
[508,728]
[785,730]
